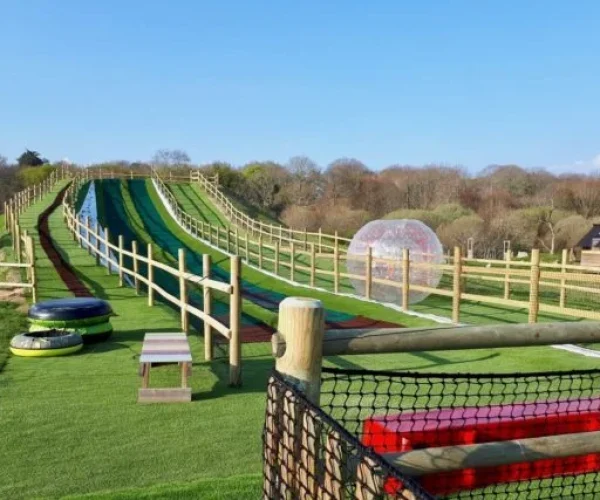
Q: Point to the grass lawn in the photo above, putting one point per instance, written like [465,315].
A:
[72,427]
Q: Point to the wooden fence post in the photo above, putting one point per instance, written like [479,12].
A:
[302,326]
[208,340]
[305,240]
[260,252]
[183,292]
[336,265]
[87,235]
[456,282]
[320,240]
[405,278]
[292,260]
[136,281]
[31,245]
[247,248]
[228,240]
[563,279]
[369,272]
[120,257]
[150,277]
[17,239]
[534,286]
[107,250]
[507,258]
[312,265]
[235,346]
[237,241]
[97,242]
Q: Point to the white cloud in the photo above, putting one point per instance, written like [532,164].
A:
[579,166]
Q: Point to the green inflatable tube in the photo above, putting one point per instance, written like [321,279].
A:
[68,324]
[82,330]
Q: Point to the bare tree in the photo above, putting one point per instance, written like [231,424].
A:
[344,177]
[171,158]
[305,184]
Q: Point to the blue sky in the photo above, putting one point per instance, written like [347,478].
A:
[470,83]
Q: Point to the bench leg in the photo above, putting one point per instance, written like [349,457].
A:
[146,375]
[184,375]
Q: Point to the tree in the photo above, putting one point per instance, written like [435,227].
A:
[3,161]
[171,158]
[30,159]
[343,177]
[264,180]
[305,183]
[458,232]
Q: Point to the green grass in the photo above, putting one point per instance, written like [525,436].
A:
[72,426]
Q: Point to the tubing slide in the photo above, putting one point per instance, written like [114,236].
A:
[113,213]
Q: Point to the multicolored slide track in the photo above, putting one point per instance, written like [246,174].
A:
[114,213]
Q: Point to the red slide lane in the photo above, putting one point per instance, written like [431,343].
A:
[63,268]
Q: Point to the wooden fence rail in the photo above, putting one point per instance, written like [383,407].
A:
[98,242]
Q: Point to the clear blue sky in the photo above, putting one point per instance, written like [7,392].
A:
[469,83]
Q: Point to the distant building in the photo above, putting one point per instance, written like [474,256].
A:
[589,246]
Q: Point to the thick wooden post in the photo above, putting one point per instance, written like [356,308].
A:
[336,265]
[107,250]
[563,279]
[302,326]
[534,286]
[235,308]
[183,292]
[507,275]
[120,257]
[136,281]
[369,272]
[292,260]
[208,341]
[150,277]
[456,282]
[405,278]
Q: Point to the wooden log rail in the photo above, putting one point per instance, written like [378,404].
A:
[494,454]
[98,244]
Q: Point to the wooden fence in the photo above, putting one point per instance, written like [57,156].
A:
[100,244]
[533,286]
[302,342]
[23,244]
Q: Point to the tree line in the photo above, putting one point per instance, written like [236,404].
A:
[533,208]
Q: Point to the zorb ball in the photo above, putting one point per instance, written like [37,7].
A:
[387,238]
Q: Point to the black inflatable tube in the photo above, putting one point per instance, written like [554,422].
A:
[70,309]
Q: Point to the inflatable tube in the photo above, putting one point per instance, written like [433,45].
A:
[81,330]
[70,309]
[69,324]
[47,343]
[45,353]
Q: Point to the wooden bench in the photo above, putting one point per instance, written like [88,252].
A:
[165,348]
